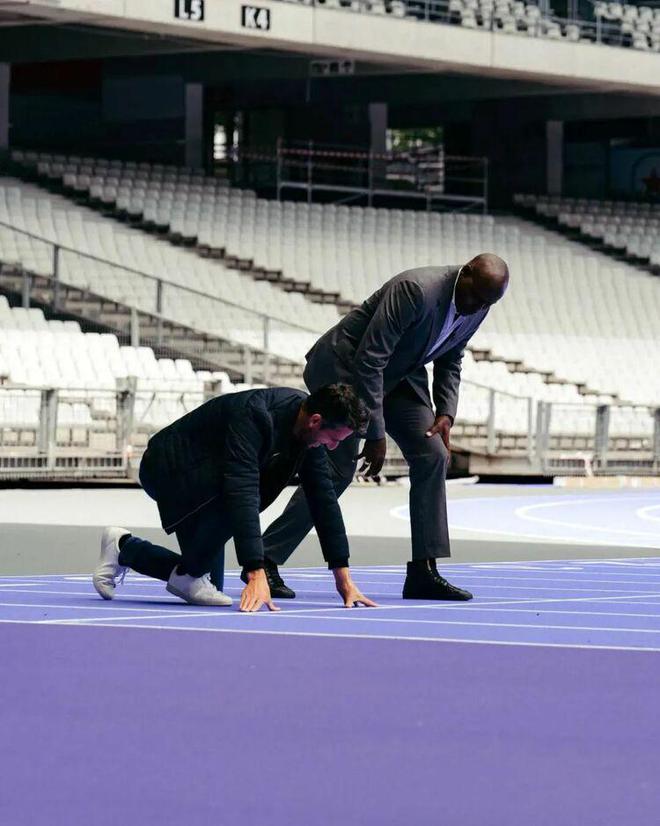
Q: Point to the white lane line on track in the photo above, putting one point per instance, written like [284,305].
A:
[94,620]
[552,538]
[540,588]
[111,609]
[363,618]
[415,604]
[466,575]
[484,576]
[91,593]
[477,624]
[496,609]
[643,513]
[627,561]
[337,613]
[370,637]
[334,608]
[524,513]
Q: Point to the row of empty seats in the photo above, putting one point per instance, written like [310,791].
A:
[638,25]
[512,17]
[517,397]
[612,23]
[99,249]
[85,367]
[579,300]
[633,227]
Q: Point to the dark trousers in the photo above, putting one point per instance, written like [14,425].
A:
[201,536]
[407,419]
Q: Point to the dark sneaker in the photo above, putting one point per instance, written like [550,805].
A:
[278,587]
[424,582]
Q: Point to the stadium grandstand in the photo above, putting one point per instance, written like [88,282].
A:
[192,192]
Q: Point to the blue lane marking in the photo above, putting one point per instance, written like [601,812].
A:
[612,603]
[623,518]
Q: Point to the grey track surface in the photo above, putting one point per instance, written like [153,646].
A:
[30,549]
[43,549]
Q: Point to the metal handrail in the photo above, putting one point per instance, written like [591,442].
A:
[191,290]
[438,11]
[464,382]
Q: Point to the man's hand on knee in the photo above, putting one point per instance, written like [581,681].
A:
[257,593]
[441,425]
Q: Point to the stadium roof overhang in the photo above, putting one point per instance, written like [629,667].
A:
[34,30]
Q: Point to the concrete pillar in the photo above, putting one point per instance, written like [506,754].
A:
[554,134]
[378,126]
[194,131]
[602,435]
[5,76]
[378,140]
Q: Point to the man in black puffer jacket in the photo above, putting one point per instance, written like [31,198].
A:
[211,473]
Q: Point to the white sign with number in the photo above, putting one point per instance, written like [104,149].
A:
[255,17]
[192,10]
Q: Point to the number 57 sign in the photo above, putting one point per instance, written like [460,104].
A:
[192,10]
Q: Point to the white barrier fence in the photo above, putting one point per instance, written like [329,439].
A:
[86,432]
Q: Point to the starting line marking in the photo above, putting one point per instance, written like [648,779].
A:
[141,606]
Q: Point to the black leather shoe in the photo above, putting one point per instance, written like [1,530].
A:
[278,588]
[424,582]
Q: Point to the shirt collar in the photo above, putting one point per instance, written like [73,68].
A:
[453,295]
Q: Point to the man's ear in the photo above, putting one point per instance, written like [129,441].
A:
[316,420]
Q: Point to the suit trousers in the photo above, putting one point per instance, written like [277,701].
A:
[201,536]
[407,418]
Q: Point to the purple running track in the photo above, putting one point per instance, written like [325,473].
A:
[130,726]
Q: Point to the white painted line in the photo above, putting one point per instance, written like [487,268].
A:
[472,606]
[552,538]
[370,637]
[475,623]
[643,513]
[552,579]
[542,611]
[524,513]
[110,608]
[484,576]
[476,604]
[91,593]
[553,588]
[93,620]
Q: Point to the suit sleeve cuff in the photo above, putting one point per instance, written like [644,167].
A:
[253,565]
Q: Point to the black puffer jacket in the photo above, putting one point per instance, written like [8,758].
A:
[239,448]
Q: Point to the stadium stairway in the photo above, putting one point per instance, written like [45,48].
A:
[96,313]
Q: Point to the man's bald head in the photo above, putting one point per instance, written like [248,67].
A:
[481,282]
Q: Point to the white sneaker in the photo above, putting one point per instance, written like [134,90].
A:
[196,590]
[108,570]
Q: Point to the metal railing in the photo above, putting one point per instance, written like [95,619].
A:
[597,28]
[154,304]
[39,436]
[553,438]
[347,174]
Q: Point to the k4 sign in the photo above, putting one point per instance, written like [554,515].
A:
[255,17]
[192,10]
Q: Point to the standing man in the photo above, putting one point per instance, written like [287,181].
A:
[213,470]
[422,315]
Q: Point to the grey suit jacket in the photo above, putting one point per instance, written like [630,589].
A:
[386,339]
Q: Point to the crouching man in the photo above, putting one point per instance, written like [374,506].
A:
[213,470]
